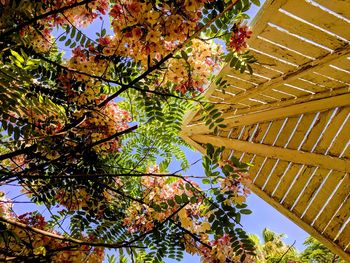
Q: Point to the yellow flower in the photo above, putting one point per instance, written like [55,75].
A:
[153,36]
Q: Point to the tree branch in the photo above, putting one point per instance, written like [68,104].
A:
[42,16]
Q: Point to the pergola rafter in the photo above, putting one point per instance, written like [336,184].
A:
[291,118]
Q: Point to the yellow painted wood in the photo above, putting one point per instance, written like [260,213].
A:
[255,78]
[307,31]
[319,17]
[334,203]
[276,93]
[301,71]
[268,140]
[307,85]
[261,19]
[310,190]
[275,177]
[339,6]
[265,71]
[324,81]
[329,243]
[281,104]
[266,59]
[340,142]
[286,180]
[270,181]
[336,74]
[339,219]
[277,152]
[260,132]
[344,238]
[332,130]
[293,91]
[317,129]
[293,110]
[343,63]
[279,51]
[301,130]
[297,187]
[293,42]
[322,196]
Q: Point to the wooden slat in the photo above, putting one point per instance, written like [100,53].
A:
[318,17]
[280,51]
[270,180]
[310,190]
[321,198]
[336,74]
[269,139]
[301,71]
[329,243]
[275,177]
[301,83]
[307,31]
[277,152]
[293,42]
[295,91]
[334,203]
[293,110]
[227,72]
[343,63]
[286,180]
[297,187]
[261,19]
[301,130]
[332,130]
[238,82]
[265,70]
[341,141]
[266,59]
[280,104]
[317,129]
[323,80]
[339,219]
[341,7]
[344,237]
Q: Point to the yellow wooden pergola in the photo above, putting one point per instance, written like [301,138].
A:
[291,117]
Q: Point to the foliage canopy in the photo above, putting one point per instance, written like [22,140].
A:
[81,134]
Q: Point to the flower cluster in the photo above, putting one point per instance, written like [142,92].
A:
[145,29]
[238,40]
[192,73]
[81,199]
[38,244]
[158,190]
[236,184]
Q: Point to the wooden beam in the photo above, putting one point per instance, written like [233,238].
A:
[295,156]
[275,113]
[290,215]
[300,71]
[293,110]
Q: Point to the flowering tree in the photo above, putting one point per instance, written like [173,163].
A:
[81,135]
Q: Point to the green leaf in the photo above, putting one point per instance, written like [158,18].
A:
[256,2]
[68,42]
[178,199]
[245,211]
[72,33]
[17,56]
[213,29]
[206,181]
